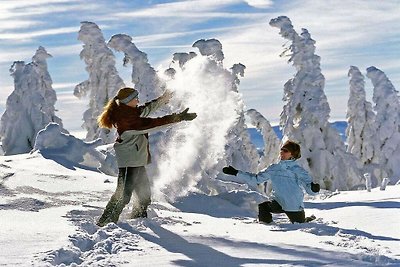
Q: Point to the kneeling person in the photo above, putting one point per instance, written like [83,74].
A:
[288,180]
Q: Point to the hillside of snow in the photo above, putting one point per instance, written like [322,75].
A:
[48,213]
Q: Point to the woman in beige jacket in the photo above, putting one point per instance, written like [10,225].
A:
[132,148]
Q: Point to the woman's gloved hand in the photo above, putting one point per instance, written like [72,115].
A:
[185,116]
[230,170]
[315,187]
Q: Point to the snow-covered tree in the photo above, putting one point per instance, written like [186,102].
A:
[103,82]
[305,115]
[387,107]
[30,107]
[271,140]
[361,128]
[144,76]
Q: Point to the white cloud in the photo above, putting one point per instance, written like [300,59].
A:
[33,34]
[60,86]
[196,10]
[177,9]
[17,15]
[260,3]
[18,24]
[340,24]
[176,34]
[65,50]
[9,56]
[12,9]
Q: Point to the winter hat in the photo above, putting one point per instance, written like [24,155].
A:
[293,148]
[125,95]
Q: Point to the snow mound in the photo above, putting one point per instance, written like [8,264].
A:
[70,151]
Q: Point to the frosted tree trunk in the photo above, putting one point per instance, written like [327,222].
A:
[30,107]
[305,115]
[103,82]
[387,107]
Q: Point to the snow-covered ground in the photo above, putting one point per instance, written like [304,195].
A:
[48,214]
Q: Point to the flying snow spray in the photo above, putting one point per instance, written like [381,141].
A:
[193,149]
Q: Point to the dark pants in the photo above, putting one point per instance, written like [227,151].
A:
[130,179]
[266,208]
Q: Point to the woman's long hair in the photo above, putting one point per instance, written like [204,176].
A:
[105,119]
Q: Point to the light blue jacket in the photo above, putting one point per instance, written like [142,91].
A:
[288,180]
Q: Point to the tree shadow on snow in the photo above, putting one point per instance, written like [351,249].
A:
[66,163]
[214,206]
[203,255]
[327,230]
[323,257]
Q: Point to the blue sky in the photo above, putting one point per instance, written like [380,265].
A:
[360,33]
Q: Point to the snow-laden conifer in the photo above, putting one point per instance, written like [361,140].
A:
[305,115]
[271,140]
[103,82]
[144,76]
[387,107]
[361,127]
[30,107]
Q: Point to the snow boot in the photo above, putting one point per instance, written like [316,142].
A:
[139,213]
[103,221]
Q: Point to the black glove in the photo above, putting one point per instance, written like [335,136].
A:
[315,187]
[185,116]
[230,170]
